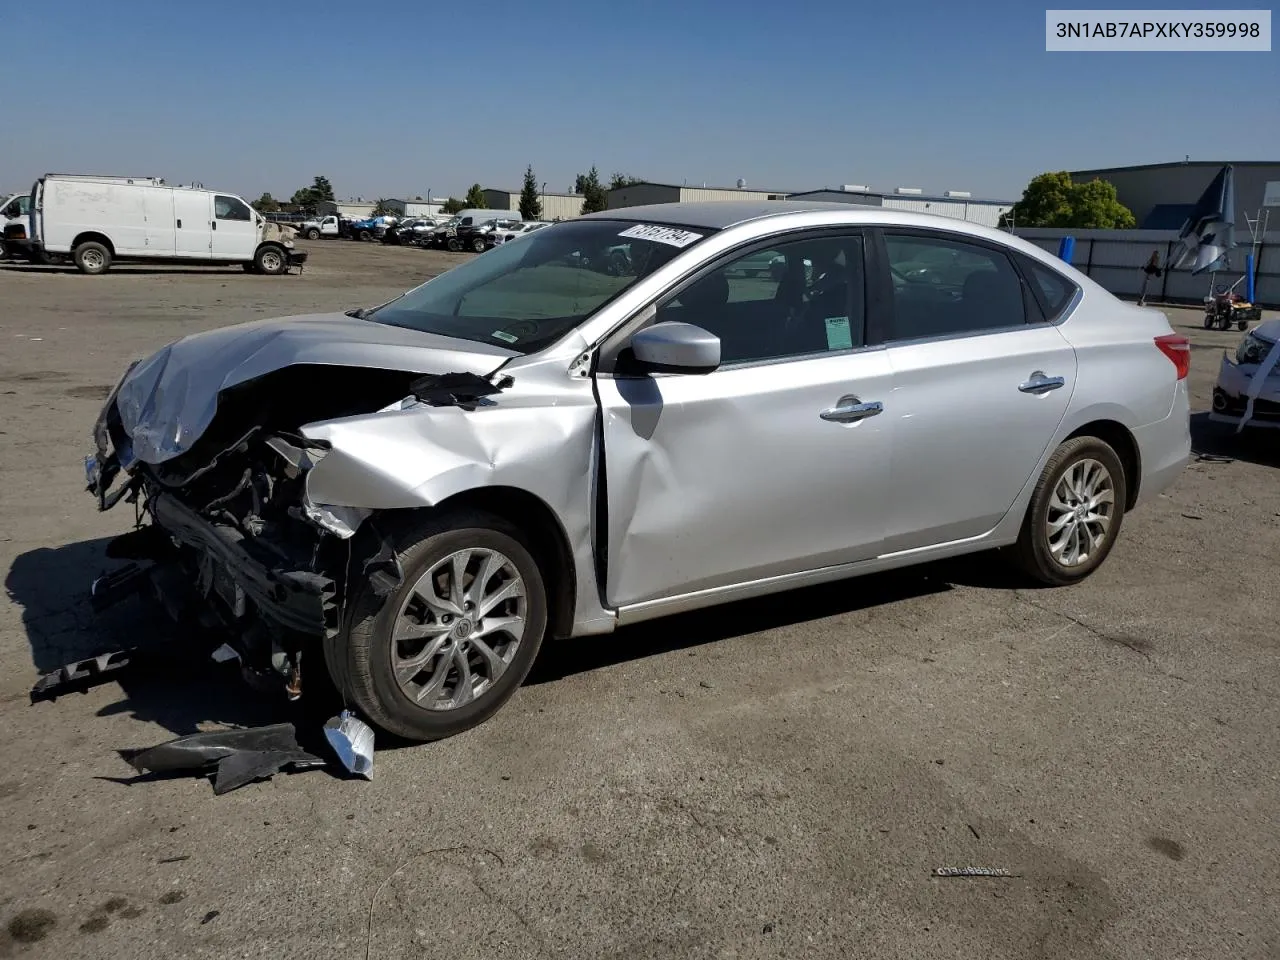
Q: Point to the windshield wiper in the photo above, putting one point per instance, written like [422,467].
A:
[359,313]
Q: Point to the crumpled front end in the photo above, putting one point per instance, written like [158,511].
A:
[1248,389]
[205,439]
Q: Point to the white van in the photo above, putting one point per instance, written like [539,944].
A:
[99,220]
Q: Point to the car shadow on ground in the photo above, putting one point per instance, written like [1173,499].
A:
[1257,445]
[169,682]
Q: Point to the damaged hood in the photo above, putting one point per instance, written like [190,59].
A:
[167,401]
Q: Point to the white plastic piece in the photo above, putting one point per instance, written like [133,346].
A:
[352,740]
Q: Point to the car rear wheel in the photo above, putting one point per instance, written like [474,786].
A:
[443,652]
[1075,513]
[454,244]
[478,245]
[92,258]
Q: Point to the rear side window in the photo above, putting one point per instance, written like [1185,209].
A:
[1052,289]
[944,287]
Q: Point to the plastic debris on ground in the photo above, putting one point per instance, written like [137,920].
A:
[234,757]
[352,740]
[972,872]
[79,674]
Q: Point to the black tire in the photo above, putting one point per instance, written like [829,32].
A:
[1208,321]
[454,245]
[478,245]
[1241,324]
[366,235]
[1031,553]
[360,662]
[313,234]
[4,250]
[92,258]
[271,260]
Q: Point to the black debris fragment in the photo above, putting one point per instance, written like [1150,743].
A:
[79,675]
[209,916]
[235,757]
[464,390]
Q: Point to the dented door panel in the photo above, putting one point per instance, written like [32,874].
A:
[734,476]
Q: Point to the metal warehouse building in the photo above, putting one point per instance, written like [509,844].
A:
[639,194]
[416,207]
[555,206]
[1161,195]
[953,203]
[355,209]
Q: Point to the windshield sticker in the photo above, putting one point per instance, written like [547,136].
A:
[504,336]
[668,235]
[838,335]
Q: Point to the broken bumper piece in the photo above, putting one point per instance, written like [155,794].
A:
[296,600]
[235,757]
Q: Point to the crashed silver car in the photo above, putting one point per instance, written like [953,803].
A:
[1248,389]
[539,443]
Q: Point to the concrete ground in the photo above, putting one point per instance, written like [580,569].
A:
[772,779]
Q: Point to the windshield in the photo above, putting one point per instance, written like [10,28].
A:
[528,295]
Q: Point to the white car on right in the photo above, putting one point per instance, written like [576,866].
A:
[518,230]
[1248,389]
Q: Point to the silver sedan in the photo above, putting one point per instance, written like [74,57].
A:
[538,444]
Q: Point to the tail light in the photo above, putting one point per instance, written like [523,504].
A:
[1178,349]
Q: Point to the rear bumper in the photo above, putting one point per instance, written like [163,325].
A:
[1165,447]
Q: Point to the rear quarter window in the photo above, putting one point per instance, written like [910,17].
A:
[1052,289]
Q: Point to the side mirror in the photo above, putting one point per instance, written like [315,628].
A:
[674,347]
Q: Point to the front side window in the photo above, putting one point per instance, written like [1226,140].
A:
[230,208]
[799,298]
[525,296]
[944,287]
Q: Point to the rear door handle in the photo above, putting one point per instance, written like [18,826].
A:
[851,410]
[179,224]
[1039,383]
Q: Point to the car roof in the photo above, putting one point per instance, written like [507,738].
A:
[721,214]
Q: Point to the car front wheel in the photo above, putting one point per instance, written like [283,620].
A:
[1075,513]
[448,647]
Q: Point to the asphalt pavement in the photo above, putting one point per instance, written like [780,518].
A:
[775,778]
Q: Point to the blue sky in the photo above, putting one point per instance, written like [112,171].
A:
[395,97]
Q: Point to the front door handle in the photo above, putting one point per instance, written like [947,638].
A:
[1039,383]
[179,224]
[851,410]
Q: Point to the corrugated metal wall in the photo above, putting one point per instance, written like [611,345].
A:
[987,214]
[641,194]
[1114,258]
[699,194]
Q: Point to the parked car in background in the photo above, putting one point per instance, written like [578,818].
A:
[411,232]
[514,230]
[483,236]
[414,496]
[457,232]
[372,228]
[97,221]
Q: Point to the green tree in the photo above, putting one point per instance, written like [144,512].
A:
[266,204]
[594,197]
[452,206]
[1096,207]
[474,197]
[322,189]
[530,200]
[308,197]
[620,180]
[382,209]
[1054,200]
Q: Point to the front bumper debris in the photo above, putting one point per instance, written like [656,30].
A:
[296,600]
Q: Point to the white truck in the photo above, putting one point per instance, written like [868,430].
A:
[100,220]
[320,227]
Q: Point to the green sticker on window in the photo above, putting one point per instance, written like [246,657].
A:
[838,335]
